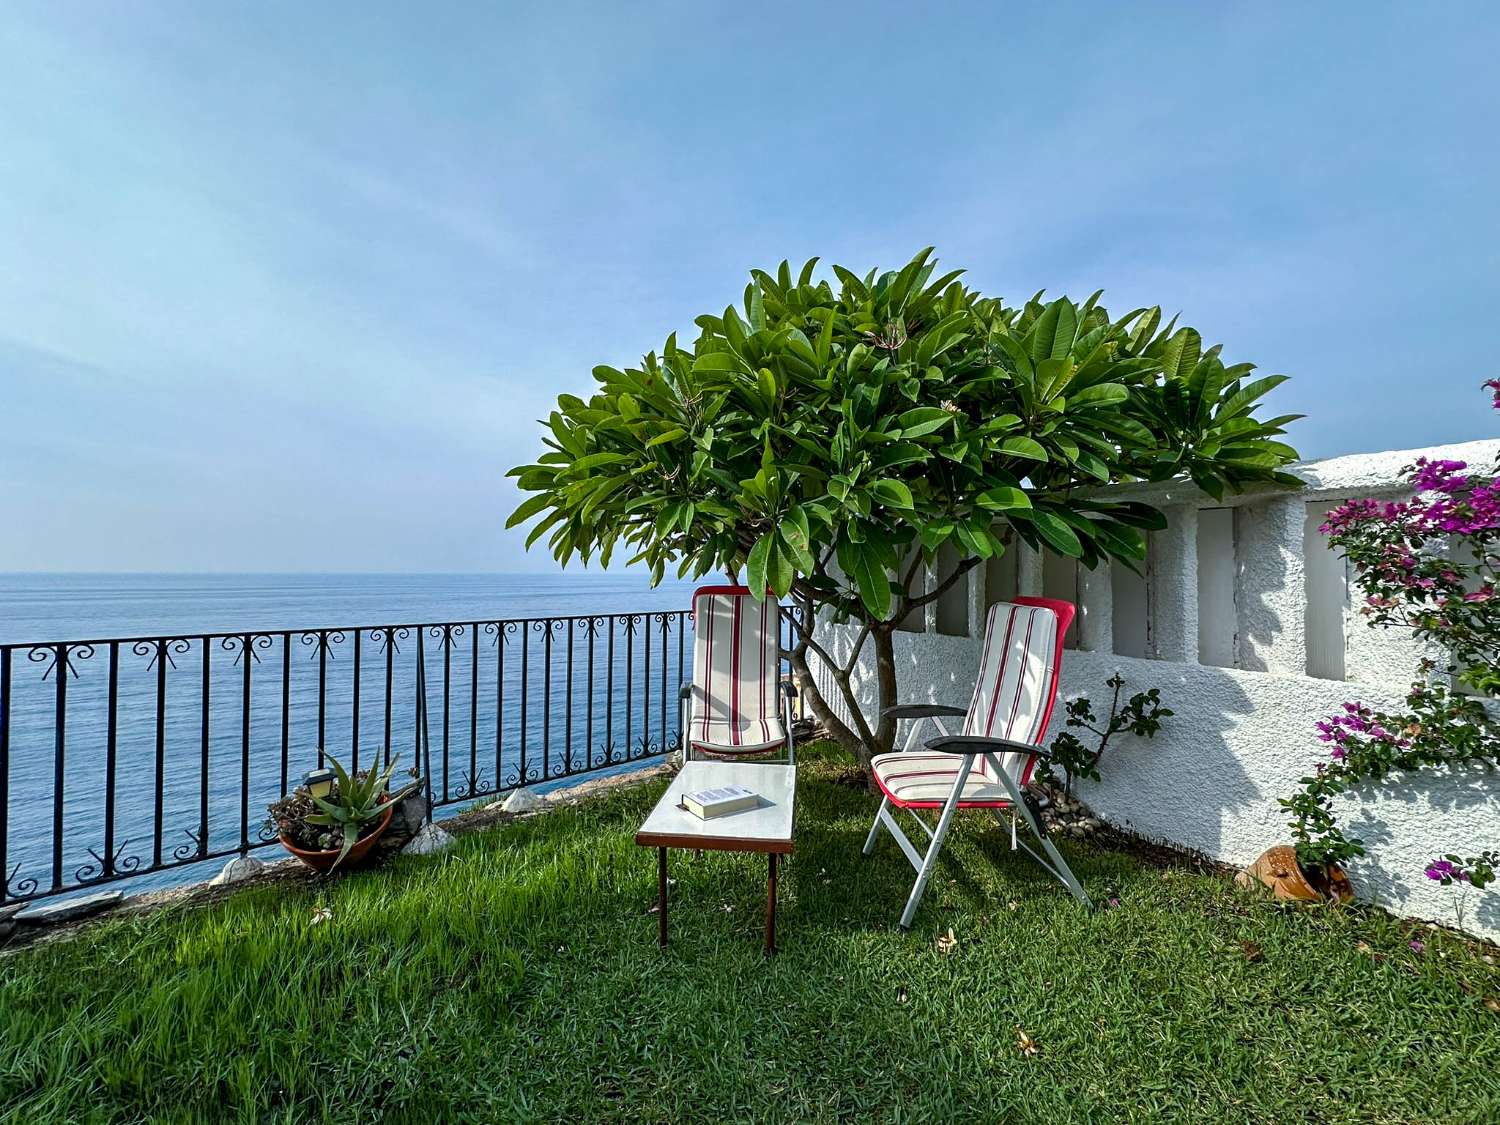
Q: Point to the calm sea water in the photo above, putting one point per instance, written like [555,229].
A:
[533,699]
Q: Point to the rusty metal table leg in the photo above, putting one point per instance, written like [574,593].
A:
[771,903]
[661,896]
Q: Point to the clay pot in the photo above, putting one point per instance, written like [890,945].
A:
[1278,869]
[324,861]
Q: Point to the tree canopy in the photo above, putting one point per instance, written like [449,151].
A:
[887,410]
[832,431]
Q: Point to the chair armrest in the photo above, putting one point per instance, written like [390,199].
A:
[922,711]
[685,692]
[788,689]
[982,744]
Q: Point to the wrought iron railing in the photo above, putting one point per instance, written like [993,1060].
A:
[125,757]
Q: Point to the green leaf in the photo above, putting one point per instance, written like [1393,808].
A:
[530,507]
[1024,447]
[1101,394]
[862,564]
[934,534]
[891,493]
[717,361]
[923,420]
[1240,401]
[796,538]
[1058,534]
[781,570]
[668,435]
[1003,499]
[757,564]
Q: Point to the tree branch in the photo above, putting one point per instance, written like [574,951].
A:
[944,586]
[859,644]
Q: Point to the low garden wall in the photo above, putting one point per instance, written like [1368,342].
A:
[1244,623]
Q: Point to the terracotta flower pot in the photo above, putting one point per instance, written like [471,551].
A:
[324,861]
[1278,869]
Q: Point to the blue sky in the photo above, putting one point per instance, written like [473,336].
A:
[284,286]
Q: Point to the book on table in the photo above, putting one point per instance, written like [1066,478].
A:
[720,801]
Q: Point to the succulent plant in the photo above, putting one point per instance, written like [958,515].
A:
[356,800]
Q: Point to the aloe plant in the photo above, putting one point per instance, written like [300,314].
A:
[356,801]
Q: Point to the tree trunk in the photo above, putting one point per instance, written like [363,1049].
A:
[862,740]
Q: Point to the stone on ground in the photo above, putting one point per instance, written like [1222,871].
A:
[429,841]
[50,913]
[237,870]
[522,800]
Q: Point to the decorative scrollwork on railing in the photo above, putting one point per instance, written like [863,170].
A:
[23,888]
[389,637]
[119,864]
[163,648]
[268,831]
[445,634]
[194,848]
[472,786]
[321,641]
[501,631]
[632,620]
[51,655]
[592,625]
[240,644]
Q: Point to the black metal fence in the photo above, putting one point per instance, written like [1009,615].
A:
[130,757]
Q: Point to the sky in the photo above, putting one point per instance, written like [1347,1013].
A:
[285,286]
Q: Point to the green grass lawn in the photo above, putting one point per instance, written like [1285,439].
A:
[518,977]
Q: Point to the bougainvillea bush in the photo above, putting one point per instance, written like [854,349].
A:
[1429,565]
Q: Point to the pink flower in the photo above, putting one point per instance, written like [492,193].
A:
[1439,476]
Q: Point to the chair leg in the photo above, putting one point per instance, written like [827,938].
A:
[1058,866]
[869,848]
[885,802]
[929,861]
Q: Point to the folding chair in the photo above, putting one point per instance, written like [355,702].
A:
[737,703]
[989,764]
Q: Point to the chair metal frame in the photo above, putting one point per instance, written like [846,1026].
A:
[1023,805]
[785,688]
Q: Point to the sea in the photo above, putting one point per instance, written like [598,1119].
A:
[527,678]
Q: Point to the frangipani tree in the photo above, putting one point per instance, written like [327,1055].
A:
[831,435]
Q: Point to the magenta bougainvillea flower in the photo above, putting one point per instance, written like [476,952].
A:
[1428,564]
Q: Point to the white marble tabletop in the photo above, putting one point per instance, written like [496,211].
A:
[766,828]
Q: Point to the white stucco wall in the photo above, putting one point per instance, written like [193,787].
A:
[1241,737]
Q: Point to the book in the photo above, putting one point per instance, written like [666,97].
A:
[720,801]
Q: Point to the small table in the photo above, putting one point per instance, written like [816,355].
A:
[765,829]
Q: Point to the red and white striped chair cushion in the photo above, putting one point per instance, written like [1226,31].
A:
[736,672]
[1012,698]
[925,781]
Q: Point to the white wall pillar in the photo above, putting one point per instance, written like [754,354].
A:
[1272,605]
[1096,609]
[1028,571]
[1174,576]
